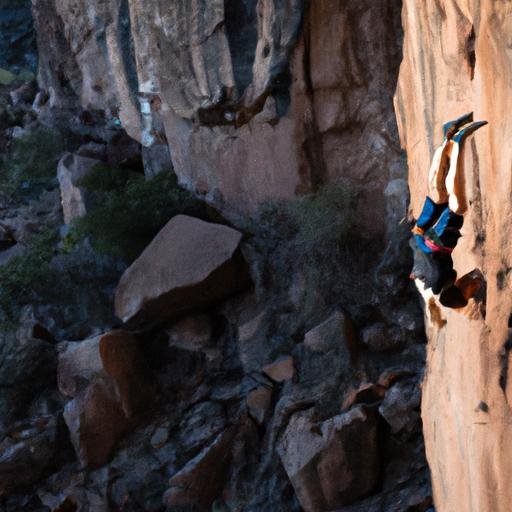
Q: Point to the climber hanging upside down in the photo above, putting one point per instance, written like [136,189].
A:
[437,230]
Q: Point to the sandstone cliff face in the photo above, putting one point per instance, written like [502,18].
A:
[256,99]
[457,59]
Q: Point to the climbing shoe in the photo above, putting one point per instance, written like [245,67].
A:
[451,127]
[461,135]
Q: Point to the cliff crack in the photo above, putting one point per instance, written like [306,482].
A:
[470,52]
[504,361]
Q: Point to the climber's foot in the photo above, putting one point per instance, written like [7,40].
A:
[451,127]
[452,297]
[468,130]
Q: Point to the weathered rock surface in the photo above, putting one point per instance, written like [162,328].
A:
[105,377]
[400,407]
[261,86]
[258,403]
[79,363]
[189,265]
[326,350]
[71,170]
[281,370]
[29,452]
[96,423]
[457,60]
[202,479]
[27,364]
[333,463]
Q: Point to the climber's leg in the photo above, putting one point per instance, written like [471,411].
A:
[437,173]
[437,197]
[455,184]
[429,215]
[436,200]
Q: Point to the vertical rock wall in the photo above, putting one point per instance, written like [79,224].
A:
[257,99]
[457,58]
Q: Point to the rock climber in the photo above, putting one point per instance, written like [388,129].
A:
[437,229]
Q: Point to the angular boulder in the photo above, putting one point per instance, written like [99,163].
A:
[192,333]
[105,377]
[79,362]
[96,422]
[400,407]
[30,452]
[259,401]
[201,480]
[333,463]
[71,170]
[27,366]
[327,353]
[189,265]
[281,370]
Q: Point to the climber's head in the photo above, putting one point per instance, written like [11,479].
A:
[433,270]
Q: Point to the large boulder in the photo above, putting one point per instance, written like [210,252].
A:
[400,407]
[96,422]
[201,480]
[71,170]
[332,463]
[27,366]
[189,265]
[30,451]
[327,354]
[105,377]
[79,362]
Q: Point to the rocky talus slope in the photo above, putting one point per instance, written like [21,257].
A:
[204,293]
[457,59]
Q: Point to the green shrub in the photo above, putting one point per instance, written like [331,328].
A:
[103,178]
[308,223]
[27,275]
[129,210]
[323,218]
[31,163]
[307,235]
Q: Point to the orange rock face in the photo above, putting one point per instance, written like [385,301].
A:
[457,59]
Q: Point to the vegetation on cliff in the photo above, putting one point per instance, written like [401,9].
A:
[129,210]
[29,165]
